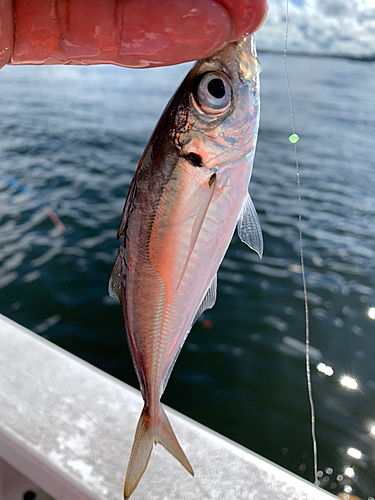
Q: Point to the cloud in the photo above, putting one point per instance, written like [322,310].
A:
[337,27]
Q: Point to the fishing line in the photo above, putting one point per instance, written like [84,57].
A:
[294,139]
[46,208]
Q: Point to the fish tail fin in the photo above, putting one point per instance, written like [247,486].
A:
[150,431]
[168,439]
[140,454]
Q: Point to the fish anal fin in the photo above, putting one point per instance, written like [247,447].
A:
[150,431]
[114,285]
[248,227]
[208,300]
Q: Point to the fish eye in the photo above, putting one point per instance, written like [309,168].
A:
[214,93]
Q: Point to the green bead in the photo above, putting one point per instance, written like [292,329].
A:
[294,138]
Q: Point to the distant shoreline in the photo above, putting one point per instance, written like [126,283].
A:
[323,54]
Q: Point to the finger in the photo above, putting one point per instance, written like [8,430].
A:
[247,16]
[134,33]
[6,31]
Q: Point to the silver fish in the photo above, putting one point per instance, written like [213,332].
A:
[188,194]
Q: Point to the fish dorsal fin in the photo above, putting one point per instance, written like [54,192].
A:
[208,300]
[248,227]
[114,285]
[128,204]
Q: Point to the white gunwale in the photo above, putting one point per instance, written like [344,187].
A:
[69,427]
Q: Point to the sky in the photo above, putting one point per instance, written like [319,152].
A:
[338,27]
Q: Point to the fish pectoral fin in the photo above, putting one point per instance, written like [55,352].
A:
[248,227]
[149,432]
[208,300]
[207,194]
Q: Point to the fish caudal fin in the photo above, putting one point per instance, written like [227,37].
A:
[140,454]
[149,432]
[167,438]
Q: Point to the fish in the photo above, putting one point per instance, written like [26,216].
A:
[187,196]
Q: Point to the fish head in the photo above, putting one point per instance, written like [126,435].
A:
[217,108]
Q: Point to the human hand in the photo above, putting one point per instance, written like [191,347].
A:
[133,33]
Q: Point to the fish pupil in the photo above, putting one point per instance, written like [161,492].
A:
[216,88]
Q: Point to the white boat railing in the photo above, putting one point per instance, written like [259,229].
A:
[66,430]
